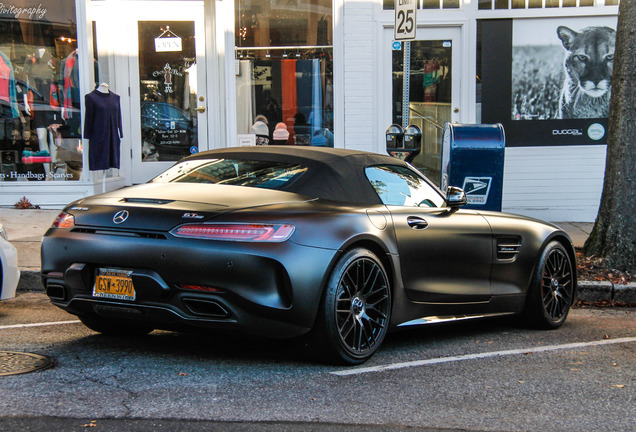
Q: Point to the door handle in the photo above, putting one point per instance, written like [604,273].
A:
[200,109]
[416,222]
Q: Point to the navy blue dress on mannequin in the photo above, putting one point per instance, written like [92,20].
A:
[102,127]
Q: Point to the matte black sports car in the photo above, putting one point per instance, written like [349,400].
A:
[340,246]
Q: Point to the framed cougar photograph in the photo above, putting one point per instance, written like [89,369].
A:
[562,69]
[556,75]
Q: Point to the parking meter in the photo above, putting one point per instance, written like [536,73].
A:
[412,137]
[401,146]
[394,135]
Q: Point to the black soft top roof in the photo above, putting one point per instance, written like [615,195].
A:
[332,174]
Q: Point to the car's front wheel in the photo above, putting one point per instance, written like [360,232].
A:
[354,314]
[552,290]
[113,327]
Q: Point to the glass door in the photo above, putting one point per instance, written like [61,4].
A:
[432,90]
[168,93]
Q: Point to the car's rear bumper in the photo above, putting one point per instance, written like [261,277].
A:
[268,289]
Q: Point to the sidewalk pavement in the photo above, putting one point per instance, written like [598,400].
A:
[26,228]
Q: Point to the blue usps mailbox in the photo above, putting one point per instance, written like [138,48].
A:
[473,159]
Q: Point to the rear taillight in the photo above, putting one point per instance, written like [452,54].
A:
[273,233]
[64,220]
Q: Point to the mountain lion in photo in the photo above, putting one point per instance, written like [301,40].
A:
[588,72]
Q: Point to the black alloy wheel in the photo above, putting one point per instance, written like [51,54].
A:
[550,298]
[355,312]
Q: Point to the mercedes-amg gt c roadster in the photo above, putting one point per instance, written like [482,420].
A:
[337,246]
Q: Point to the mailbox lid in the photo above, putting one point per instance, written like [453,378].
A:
[474,137]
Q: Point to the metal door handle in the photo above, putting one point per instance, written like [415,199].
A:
[416,222]
[200,109]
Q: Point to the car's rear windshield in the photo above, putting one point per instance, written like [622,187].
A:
[254,173]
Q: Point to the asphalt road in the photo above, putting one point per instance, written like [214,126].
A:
[478,376]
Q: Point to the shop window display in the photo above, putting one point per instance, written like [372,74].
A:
[284,71]
[39,92]
[430,97]
[168,83]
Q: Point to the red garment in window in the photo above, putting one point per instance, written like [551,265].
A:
[69,64]
[288,86]
[5,81]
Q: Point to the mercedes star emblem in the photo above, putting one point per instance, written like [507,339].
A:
[120,216]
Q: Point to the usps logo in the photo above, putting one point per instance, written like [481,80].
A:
[477,189]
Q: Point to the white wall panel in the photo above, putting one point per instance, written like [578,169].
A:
[554,183]
[359,81]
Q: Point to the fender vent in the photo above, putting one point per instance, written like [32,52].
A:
[508,248]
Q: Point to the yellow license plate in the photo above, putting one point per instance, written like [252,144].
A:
[114,284]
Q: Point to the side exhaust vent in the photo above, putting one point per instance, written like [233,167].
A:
[508,248]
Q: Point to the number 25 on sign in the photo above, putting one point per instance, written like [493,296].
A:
[405,13]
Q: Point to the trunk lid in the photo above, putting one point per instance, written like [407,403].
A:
[162,206]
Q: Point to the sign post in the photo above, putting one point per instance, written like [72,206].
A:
[404,29]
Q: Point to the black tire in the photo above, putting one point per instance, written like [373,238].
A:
[115,327]
[551,292]
[354,314]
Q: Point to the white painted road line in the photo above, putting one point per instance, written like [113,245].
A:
[359,371]
[38,324]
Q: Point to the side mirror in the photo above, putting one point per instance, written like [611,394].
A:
[455,197]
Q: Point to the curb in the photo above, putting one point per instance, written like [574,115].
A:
[625,293]
[595,291]
[589,291]
[607,291]
[30,281]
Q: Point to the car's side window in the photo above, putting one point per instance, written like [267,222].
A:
[399,186]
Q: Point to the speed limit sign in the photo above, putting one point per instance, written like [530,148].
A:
[405,13]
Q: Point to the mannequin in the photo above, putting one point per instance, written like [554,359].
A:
[103,129]
[103,87]
[40,70]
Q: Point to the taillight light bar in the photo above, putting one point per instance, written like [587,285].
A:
[64,220]
[266,233]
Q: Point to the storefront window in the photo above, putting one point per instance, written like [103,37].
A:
[40,123]
[284,71]
[167,79]
[429,97]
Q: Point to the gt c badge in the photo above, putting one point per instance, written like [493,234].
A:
[192,216]
[120,216]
